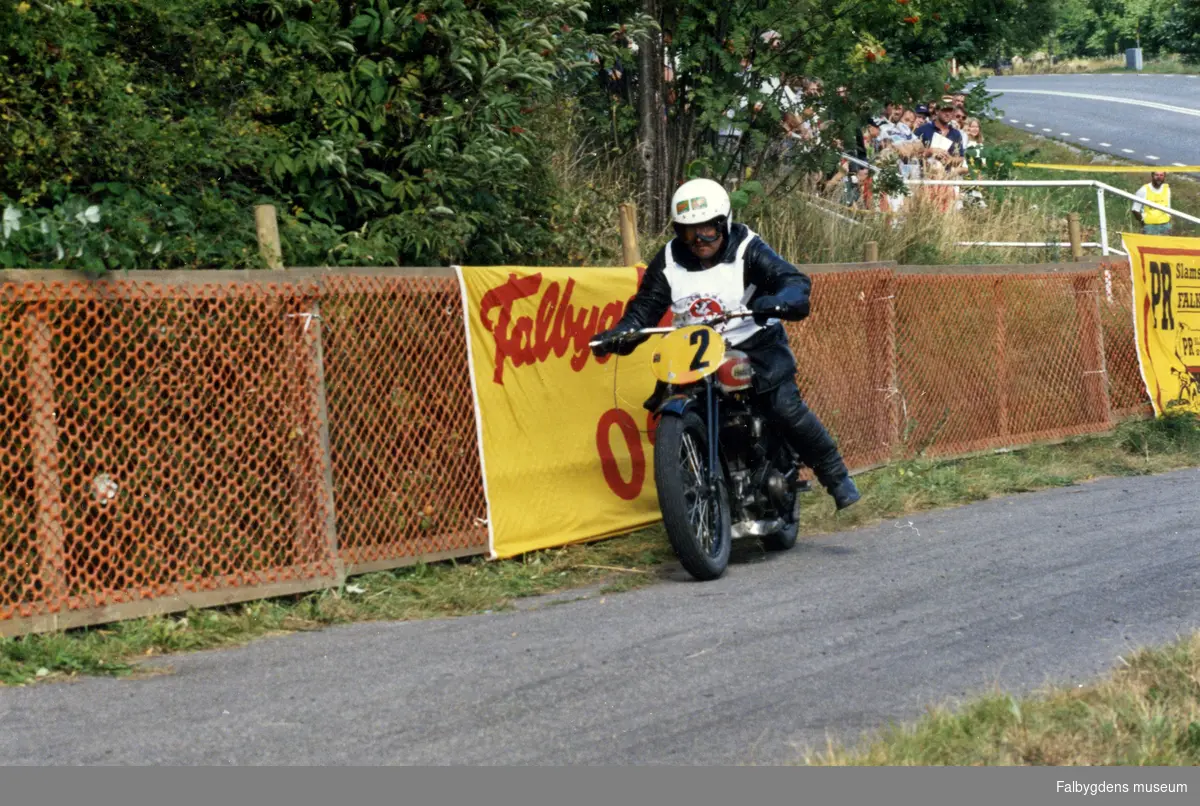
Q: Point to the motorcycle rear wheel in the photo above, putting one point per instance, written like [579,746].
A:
[785,538]
[697,523]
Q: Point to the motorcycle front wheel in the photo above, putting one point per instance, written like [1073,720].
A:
[696,519]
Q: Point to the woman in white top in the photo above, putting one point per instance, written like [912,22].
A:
[973,148]
[974,133]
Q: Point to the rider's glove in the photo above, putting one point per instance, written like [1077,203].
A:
[611,341]
[765,308]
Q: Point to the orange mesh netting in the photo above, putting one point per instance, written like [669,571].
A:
[899,365]
[402,423]
[158,441]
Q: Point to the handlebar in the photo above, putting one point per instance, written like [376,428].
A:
[719,319]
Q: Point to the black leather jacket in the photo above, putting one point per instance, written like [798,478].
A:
[770,274]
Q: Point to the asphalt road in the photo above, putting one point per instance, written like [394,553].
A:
[840,635]
[1146,118]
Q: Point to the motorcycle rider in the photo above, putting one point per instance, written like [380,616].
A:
[707,268]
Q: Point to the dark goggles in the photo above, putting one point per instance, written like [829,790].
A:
[692,232]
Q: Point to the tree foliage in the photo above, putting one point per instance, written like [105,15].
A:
[385,132]
[1181,29]
[139,134]
[1107,27]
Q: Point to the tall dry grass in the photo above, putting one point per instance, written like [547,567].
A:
[808,229]
[806,225]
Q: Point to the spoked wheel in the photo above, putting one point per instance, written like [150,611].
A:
[696,517]
[785,538]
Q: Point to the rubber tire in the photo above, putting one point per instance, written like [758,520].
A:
[785,538]
[670,480]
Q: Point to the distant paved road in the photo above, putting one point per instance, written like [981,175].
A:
[1148,118]
[840,635]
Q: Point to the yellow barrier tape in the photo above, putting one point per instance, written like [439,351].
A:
[1112,169]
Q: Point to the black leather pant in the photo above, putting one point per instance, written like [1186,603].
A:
[787,413]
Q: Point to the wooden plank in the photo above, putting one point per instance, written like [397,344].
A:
[222,276]
[1009,268]
[838,268]
[354,569]
[71,619]
[1015,442]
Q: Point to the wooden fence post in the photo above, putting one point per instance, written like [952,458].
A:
[322,405]
[1001,349]
[881,347]
[1076,240]
[1091,348]
[267,226]
[47,485]
[630,253]
[871,252]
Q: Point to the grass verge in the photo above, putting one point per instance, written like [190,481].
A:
[477,586]
[1146,713]
[1113,64]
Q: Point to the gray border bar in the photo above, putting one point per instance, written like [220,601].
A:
[583,786]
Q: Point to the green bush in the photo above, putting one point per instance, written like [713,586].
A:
[383,132]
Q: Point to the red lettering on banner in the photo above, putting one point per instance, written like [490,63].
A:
[543,342]
[508,344]
[558,326]
[627,490]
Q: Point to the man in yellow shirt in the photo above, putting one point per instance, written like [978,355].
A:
[1154,222]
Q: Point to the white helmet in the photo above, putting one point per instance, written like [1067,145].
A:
[698,201]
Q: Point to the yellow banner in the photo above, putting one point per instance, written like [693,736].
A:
[1166,315]
[1111,169]
[565,442]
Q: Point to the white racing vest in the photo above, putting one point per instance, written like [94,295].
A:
[704,293]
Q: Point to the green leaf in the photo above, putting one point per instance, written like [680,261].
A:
[378,90]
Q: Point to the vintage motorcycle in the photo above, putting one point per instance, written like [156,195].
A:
[720,473]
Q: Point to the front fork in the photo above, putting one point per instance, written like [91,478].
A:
[714,432]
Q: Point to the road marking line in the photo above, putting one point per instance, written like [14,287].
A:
[1127,150]
[1029,125]
[1064,134]
[1047,130]
[1086,139]
[1013,120]
[1182,110]
[1107,145]
[1179,164]
[1151,157]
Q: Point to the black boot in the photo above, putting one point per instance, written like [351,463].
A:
[816,448]
[845,493]
[813,444]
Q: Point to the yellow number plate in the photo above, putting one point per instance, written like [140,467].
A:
[688,354]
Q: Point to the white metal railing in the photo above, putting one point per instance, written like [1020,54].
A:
[1101,189]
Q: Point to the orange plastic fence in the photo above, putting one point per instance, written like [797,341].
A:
[159,443]
[192,439]
[401,420]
